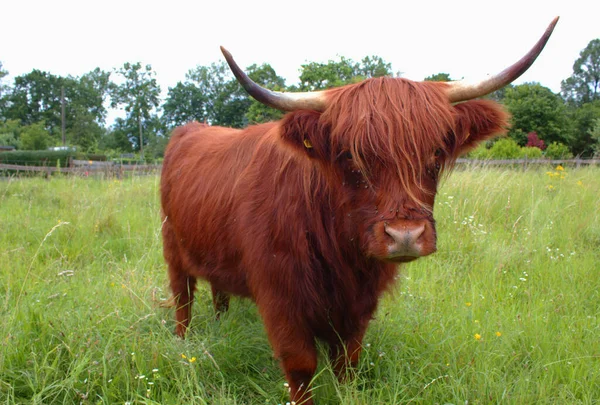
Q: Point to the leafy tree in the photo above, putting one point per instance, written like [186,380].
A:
[265,76]
[139,94]
[3,90]
[438,77]
[35,137]
[583,119]
[116,138]
[373,66]
[499,94]
[595,134]
[184,103]
[320,76]
[36,97]
[584,85]
[212,94]
[535,108]
[10,133]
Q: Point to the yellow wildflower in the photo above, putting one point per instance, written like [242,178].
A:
[468,304]
[498,334]
[183,356]
[559,168]
[477,336]
[193,359]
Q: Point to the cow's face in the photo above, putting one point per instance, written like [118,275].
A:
[385,158]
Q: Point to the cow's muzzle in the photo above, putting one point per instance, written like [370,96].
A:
[409,239]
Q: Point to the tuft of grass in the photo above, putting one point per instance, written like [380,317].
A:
[507,310]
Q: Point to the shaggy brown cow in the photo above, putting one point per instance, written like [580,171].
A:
[310,216]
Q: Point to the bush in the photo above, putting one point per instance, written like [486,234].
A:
[534,141]
[557,150]
[531,152]
[36,157]
[505,148]
[480,152]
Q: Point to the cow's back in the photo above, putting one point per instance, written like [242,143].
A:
[201,173]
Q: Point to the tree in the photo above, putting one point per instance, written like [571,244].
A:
[3,90]
[265,76]
[374,66]
[584,85]
[35,137]
[535,108]
[595,134]
[438,77]
[139,94]
[184,103]
[583,119]
[209,94]
[10,133]
[36,97]
[212,94]
[320,76]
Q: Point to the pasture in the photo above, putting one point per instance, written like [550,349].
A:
[507,311]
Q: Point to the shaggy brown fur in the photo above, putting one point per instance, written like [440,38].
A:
[292,214]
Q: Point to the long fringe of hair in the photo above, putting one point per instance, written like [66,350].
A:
[392,123]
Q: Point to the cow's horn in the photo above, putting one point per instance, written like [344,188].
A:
[314,100]
[463,90]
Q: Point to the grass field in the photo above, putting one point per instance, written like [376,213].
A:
[507,311]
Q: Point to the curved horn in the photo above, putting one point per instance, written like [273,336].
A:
[314,100]
[463,90]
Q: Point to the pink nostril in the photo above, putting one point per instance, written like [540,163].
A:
[404,235]
[406,239]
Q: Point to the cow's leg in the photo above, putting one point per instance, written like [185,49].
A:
[346,353]
[183,287]
[294,345]
[220,301]
[182,284]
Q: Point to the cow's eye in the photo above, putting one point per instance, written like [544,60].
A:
[348,155]
[438,153]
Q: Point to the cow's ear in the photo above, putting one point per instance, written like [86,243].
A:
[303,131]
[477,121]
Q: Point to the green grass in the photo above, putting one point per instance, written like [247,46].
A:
[82,276]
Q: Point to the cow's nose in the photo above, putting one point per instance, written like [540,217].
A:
[406,240]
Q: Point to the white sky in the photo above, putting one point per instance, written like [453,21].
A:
[463,38]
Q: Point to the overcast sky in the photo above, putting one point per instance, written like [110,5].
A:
[419,38]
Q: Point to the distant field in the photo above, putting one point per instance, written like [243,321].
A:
[507,311]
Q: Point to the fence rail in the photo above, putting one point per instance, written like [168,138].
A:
[85,167]
[501,162]
[106,168]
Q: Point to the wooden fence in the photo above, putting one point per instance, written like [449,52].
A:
[117,170]
[85,168]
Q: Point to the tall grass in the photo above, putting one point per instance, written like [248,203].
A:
[507,310]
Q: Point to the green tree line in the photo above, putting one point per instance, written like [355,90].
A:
[36,105]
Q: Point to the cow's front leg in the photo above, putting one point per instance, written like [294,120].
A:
[294,345]
[346,353]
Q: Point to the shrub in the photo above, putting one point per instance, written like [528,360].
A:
[534,141]
[505,148]
[531,152]
[480,152]
[36,157]
[557,150]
